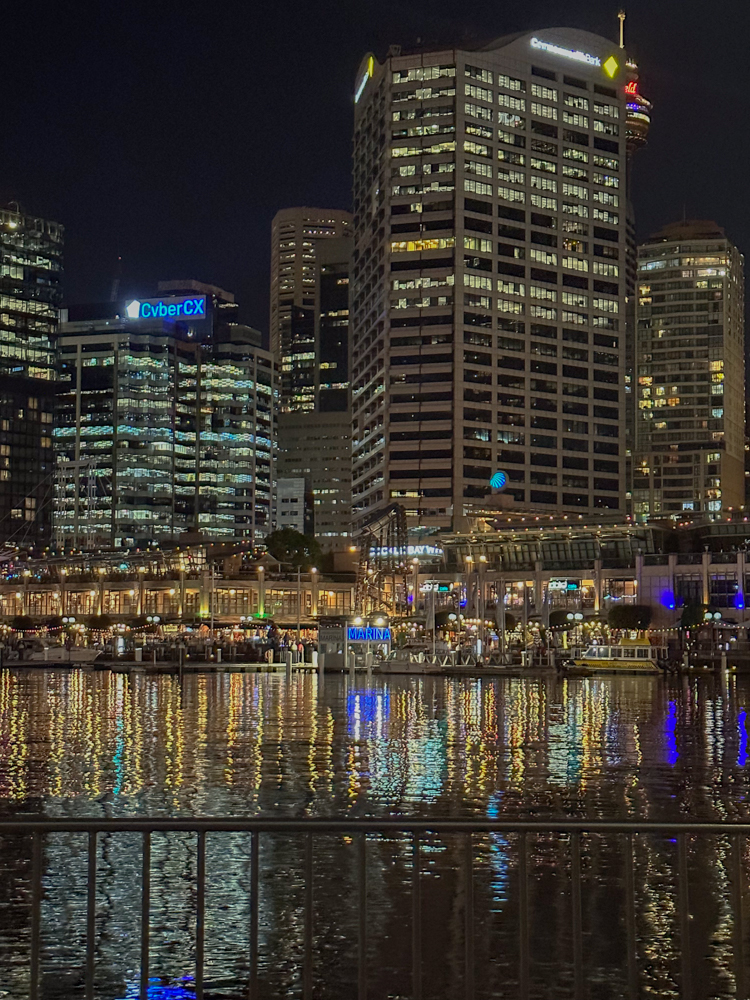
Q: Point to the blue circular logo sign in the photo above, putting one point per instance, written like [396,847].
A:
[498,481]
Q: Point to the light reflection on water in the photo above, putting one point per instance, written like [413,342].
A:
[85,743]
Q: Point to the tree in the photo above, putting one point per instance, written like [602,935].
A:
[693,615]
[635,617]
[293,548]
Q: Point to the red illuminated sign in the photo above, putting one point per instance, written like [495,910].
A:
[631,88]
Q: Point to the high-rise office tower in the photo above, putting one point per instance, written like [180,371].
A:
[488,284]
[296,234]
[690,386]
[315,423]
[167,422]
[30,295]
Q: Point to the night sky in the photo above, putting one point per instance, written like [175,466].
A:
[170,133]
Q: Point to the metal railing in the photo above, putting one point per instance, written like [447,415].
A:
[420,832]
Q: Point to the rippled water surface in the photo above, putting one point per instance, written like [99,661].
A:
[103,744]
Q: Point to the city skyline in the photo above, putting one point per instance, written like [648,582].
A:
[113,182]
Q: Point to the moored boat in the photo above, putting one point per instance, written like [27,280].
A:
[631,656]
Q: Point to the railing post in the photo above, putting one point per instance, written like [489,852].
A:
[200,917]
[36,915]
[630,917]
[523,919]
[416,921]
[307,978]
[145,914]
[362,937]
[738,936]
[575,850]
[91,918]
[684,911]
[254,837]
[469,917]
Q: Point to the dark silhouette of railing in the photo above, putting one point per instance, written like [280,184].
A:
[419,830]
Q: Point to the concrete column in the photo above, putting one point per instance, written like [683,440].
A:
[538,585]
[261,591]
[741,575]
[597,585]
[706,565]
[314,585]
[181,602]
[639,577]
[204,594]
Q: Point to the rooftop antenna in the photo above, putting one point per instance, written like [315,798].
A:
[621,17]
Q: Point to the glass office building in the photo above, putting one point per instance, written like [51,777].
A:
[166,427]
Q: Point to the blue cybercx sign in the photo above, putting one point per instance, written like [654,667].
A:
[174,307]
[356,634]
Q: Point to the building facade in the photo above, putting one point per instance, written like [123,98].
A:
[31,272]
[690,392]
[489,277]
[167,423]
[296,233]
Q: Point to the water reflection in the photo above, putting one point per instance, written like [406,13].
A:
[96,743]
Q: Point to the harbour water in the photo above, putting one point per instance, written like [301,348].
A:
[83,743]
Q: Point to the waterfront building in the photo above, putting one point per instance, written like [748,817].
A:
[315,423]
[31,272]
[489,276]
[167,422]
[297,234]
[690,393]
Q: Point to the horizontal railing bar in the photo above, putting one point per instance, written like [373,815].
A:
[222,824]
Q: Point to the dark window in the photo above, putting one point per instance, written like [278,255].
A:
[601,376]
[544,423]
[569,462]
[576,336]
[511,381]
[545,239]
[611,252]
[505,400]
[477,472]
[607,430]
[577,138]
[482,207]
[550,461]
[573,281]
[543,478]
[542,385]
[542,441]
[570,389]
[478,225]
[541,403]
[478,263]
[475,358]
[573,81]
[575,354]
[517,270]
[508,250]
[516,457]
[575,444]
[541,330]
[511,326]
[538,274]
[542,128]
[478,454]
[542,496]
[606,448]
[508,344]
[477,319]
[605,234]
[478,395]
[600,465]
[575,500]
[483,378]
[570,371]
[511,232]
[607,145]
[612,395]
[517,363]
[611,503]
[602,340]
[608,412]
[478,416]
[608,287]
[580,408]
[543,368]
[605,91]
[421,474]
[515,214]
[546,221]
[601,358]
[546,74]
[612,485]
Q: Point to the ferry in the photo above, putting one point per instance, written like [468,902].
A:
[631,656]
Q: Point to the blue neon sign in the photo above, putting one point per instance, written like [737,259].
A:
[174,307]
[355,633]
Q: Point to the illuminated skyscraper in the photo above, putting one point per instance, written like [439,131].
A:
[690,386]
[295,235]
[30,296]
[489,277]
[167,422]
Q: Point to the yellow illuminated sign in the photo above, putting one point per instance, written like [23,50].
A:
[611,66]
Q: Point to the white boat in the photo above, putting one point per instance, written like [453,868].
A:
[631,656]
[415,661]
[59,655]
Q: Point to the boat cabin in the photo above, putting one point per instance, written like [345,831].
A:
[621,653]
